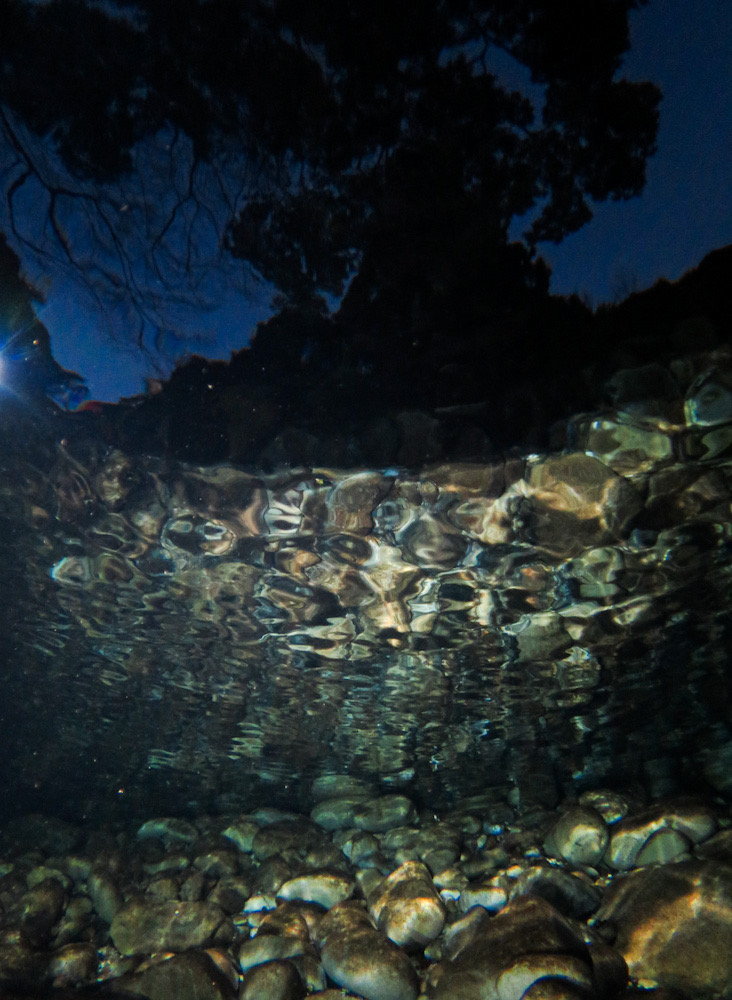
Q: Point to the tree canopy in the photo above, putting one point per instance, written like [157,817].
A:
[376,149]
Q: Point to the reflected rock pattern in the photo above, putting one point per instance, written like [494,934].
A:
[511,628]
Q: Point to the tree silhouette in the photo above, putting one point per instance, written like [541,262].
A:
[147,245]
[417,147]
[362,157]
[350,119]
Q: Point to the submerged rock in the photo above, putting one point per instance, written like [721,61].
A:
[361,959]
[104,893]
[528,941]
[324,888]
[273,981]
[266,948]
[384,813]
[407,907]
[503,922]
[571,895]
[660,833]
[673,926]
[73,964]
[39,909]
[579,836]
[192,974]
[170,830]
[144,926]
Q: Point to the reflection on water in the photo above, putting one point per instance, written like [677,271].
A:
[205,635]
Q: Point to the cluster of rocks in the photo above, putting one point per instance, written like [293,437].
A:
[602,898]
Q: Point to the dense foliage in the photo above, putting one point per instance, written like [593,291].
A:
[369,162]
[381,141]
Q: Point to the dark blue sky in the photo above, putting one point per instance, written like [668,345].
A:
[686,210]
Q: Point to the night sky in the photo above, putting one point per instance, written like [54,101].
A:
[685,211]
[686,208]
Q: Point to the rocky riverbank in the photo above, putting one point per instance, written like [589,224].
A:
[605,897]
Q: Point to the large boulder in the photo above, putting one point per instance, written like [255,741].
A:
[674,926]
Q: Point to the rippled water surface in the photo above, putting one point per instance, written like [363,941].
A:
[202,637]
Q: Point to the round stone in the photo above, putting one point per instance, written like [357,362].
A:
[407,906]
[610,806]
[269,948]
[384,813]
[242,833]
[104,893]
[367,963]
[336,814]
[273,981]
[168,829]
[580,837]
[323,888]
[333,786]
[143,926]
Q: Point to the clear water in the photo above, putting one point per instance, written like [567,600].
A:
[180,639]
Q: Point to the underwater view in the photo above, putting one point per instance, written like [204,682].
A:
[366,596]
[234,702]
